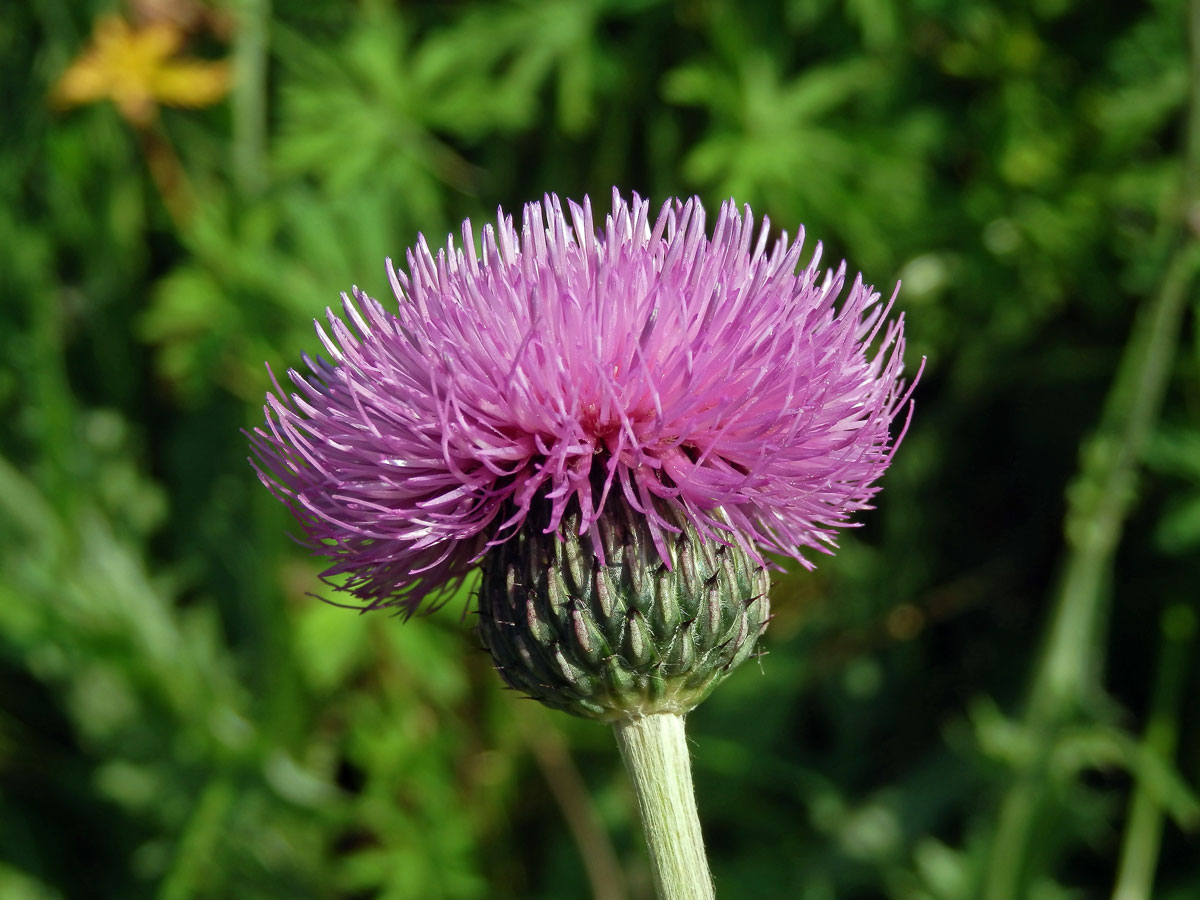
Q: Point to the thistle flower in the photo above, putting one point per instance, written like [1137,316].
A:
[620,426]
[706,381]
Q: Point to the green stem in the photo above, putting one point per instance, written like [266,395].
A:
[1099,502]
[1143,829]
[655,752]
[249,96]
[1104,493]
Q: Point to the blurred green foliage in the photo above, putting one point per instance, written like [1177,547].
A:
[989,692]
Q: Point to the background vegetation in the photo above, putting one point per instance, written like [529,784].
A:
[989,693]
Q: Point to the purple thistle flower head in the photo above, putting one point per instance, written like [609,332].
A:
[559,365]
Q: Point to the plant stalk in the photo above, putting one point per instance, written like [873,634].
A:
[250,96]
[656,755]
[1099,502]
[1143,828]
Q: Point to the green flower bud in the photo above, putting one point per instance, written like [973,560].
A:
[627,637]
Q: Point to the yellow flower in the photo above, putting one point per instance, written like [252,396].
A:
[135,69]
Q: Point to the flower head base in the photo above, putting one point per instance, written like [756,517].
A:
[564,370]
[601,626]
